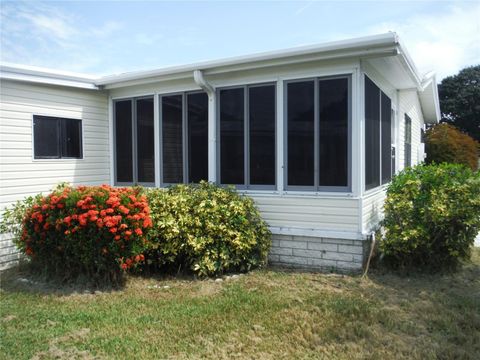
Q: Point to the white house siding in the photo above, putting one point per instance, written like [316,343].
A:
[372,209]
[409,103]
[20,175]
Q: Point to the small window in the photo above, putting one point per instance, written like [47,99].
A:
[408,141]
[57,138]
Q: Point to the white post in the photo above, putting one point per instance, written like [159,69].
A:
[212,137]
[157,140]
[280,139]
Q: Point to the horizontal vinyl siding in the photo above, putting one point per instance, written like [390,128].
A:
[309,212]
[372,209]
[20,175]
[409,104]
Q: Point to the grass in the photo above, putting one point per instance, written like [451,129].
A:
[267,314]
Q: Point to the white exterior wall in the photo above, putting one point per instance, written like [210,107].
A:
[20,174]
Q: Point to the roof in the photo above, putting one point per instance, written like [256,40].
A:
[385,45]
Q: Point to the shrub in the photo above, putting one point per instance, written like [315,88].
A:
[93,231]
[432,216]
[207,229]
[445,143]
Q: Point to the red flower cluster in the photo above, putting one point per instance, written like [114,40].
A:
[94,222]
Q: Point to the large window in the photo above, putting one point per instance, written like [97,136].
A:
[318,134]
[134,141]
[57,138]
[378,136]
[408,141]
[247,136]
[184,134]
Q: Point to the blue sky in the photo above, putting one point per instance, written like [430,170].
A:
[116,36]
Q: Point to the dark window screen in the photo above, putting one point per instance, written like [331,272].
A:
[232,136]
[301,143]
[386,138]
[71,139]
[197,118]
[46,132]
[172,139]
[123,141]
[372,134]
[262,134]
[333,147]
[145,141]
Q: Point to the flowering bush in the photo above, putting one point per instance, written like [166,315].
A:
[206,229]
[94,231]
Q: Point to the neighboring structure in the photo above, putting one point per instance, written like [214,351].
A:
[313,134]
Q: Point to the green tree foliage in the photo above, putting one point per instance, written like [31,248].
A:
[445,143]
[460,100]
[432,216]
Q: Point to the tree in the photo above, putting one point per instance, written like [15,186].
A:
[445,143]
[460,100]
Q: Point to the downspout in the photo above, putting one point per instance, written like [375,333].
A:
[212,124]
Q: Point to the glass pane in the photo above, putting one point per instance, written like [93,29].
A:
[197,118]
[300,117]
[386,139]
[333,147]
[262,135]
[123,141]
[71,138]
[172,140]
[232,136]
[145,141]
[408,141]
[46,135]
[372,134]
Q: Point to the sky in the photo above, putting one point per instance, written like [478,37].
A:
[108,37]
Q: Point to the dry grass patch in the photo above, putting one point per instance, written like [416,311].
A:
[267,314]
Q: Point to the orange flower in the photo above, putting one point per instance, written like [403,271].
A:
[138,231]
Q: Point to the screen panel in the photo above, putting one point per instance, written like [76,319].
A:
[262,134]
[386,118]
[300,133]
[333,128]
[46,132]
[172,139]
[232,136]
[145,141]
[197,119]
[123,141]
[372,135]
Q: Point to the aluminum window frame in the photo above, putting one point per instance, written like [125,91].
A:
[316,166]
[133,101]
[185,134]
[59,120]
[246,136]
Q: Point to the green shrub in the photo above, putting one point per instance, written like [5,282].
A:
[207,229]
[97,232]
[445,143]
[432,216]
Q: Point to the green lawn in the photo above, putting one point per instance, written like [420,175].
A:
[267,314]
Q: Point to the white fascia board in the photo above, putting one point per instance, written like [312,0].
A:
[429,99]
[384,44]
[35,74]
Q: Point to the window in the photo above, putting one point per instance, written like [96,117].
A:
[379,156]
[247,136]
[408,141]
[184,134]
[57,138]
[318,134]
[134,141]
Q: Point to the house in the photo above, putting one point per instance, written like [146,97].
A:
[313,134]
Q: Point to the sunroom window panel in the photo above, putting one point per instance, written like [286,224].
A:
[123,141]
[46,134]
[172,139]
[262,134]
[372,134]
[333,145]
[232,136]
[197,119]
[145,141]
[386,118]
[300,133]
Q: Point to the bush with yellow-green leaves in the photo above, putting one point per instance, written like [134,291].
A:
[205,229]
[432,216]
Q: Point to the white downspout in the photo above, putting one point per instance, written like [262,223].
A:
[212,124]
